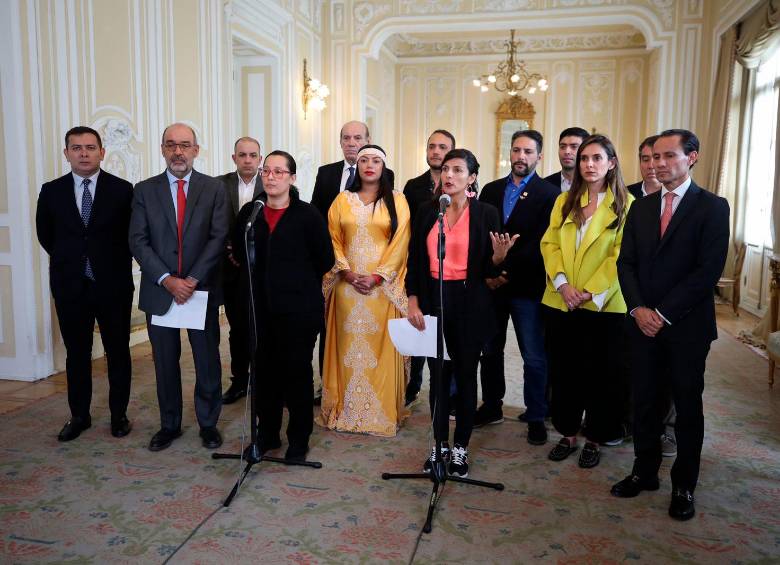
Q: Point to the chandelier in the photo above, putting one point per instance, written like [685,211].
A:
[511,75]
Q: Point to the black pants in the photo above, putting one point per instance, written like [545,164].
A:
[284,375]
[166,351]
[415,376]
[657,365]
[586,367]
[77,323]
[238,338]
[464,354]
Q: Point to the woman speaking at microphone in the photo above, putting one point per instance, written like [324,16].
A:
[472,251]
[293,251]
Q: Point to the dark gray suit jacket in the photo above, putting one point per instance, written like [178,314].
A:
[154,242]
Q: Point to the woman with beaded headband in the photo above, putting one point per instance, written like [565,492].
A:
[363,379]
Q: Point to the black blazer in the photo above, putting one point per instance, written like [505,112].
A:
[418,192]
[677,273]
[636,190]
[230,272]
[63,235]
[529,218]
[479,305]
[290,262]
[327,183]
[555,180]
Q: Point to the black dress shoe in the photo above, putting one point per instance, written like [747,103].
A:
[682,507]
[561,450]
[589,456]
[163,439]
[211,437]
[296,452]
[632,485]
[234,393]
[73,428]
[121,427]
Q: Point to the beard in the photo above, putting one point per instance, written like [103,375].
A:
[521,169]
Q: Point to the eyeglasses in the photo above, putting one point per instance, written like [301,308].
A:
[171,146]
[276,172]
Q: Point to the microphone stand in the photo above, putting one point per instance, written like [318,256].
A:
[252,454]
[438,474]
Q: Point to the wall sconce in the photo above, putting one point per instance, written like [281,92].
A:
[314,92]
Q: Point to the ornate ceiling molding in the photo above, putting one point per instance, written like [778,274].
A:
[405,45]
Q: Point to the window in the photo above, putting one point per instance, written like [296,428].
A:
[761,154]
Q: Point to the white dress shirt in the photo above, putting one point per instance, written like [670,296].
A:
[78,188]
[246,190]
[565,183]
[345,175]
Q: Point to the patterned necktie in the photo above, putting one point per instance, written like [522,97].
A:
[181,205]
[86,213]
[666,217]
[350,178]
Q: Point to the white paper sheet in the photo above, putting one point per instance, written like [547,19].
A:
[190,315]
[408,340]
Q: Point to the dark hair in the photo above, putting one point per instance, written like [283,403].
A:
[614,182]
[688,140]
[471,164]
[530,134]
[81,130]
[385,193]
[574,132]
[290,161]
[647,142]
[246,138]
[445,133]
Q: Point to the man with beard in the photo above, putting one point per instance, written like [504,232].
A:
[418,191]
[568,143]
[525,202]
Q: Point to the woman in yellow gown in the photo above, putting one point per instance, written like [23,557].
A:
[363,381]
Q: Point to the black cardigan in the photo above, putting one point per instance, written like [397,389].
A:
[290,262]
[478,309]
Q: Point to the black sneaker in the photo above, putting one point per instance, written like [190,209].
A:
[459,462]
[488,417]
[537,433]
[445,456]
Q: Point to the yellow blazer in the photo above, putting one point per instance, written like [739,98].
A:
[593,266]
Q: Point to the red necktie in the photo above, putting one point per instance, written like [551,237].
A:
[666,217]
[181,205]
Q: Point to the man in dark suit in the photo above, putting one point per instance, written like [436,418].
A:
[525,202]
[568,143]
[82,221]
[177,235]
[242,186]
[673,252]
[418,191]
[649,183]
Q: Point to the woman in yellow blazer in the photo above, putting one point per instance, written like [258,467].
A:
[585,309]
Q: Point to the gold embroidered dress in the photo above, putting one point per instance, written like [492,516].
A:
[363,381]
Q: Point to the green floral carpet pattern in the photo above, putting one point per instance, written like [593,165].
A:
[105,500]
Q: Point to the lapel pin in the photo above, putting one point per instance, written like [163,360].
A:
[523,196]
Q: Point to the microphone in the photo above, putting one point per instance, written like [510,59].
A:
[444,202]
[258,205]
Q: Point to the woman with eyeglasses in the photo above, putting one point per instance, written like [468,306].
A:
[473,248]
[292,252]
[363,381]
[585,308]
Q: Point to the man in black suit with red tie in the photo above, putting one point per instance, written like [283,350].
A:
[241,186]
[82,220]
[673,252]
[177,233]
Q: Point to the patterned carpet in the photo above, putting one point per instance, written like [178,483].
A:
[100,499]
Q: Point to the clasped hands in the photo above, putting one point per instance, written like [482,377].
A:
[572,297]
[181,289]
[648,320]
[364,284]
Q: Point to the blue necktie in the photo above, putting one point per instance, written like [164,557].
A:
[86,212]
[350,178]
